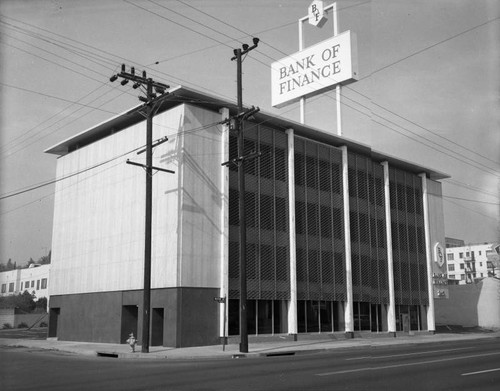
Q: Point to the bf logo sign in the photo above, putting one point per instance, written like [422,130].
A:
[316,13]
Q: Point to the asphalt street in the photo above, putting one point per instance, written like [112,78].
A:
[457,365]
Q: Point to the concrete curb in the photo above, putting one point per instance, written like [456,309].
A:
[261,349]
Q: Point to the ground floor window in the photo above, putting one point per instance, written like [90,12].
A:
[408,317]
[314,316]
[367,316]
[263,317]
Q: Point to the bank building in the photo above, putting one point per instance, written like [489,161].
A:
[340,238]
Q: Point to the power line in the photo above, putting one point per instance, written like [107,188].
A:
[392,112]
[434,133]
[434,45]
[52,62]
[21,147]
[13,141]
[434,148]
[350,89]
[55,180]
[470,187]
[470,200]
[93,49]
[472,210]
[55,97]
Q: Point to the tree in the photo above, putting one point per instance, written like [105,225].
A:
[45,260]
[30,262]
[24,301]
[10,265]
[41,304]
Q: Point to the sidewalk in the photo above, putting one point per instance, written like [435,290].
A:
[273,347]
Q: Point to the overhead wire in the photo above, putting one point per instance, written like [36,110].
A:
[378,115]
[472,210]
[55,180]
[470,200]
[266,65]
[470,187]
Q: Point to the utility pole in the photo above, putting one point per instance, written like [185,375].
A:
[150,104]
[240,117]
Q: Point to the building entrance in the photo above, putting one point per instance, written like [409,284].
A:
[129,321]
[157,327]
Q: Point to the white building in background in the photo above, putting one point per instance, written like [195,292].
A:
[468,263]
[34,279]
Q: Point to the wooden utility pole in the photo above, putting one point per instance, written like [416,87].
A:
[149,100]
[241,192]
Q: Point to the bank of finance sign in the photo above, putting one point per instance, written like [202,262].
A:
[315,69]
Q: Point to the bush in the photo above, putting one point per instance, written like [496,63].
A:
[22,325]
[43,324]
[7,326]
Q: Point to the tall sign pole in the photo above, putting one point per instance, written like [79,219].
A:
[316,17]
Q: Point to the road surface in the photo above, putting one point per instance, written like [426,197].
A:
[464,365]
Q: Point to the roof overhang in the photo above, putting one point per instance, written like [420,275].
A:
[183,95]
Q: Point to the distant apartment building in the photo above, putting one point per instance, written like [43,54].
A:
[453,242]
[468,263]
[34,279]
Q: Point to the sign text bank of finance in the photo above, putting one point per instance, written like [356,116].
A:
[315,69]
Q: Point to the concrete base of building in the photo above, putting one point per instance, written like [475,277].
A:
[180,317]
[349,334]
[223,340]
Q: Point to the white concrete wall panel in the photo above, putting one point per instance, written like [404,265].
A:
[488,306]
[98,238]
[436,214]
[200,210]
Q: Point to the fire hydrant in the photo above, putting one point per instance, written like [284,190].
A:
[132,341]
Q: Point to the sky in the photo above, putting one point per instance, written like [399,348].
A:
[428,88]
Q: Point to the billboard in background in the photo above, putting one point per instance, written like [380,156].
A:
[315,69]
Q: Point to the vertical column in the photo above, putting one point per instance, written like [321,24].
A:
[391,309]
[301,47]
[292,309]
[431,323]
[337,87]
[348,310]
[224,226]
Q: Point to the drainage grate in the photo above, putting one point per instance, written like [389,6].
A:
[107,354]
[280,354]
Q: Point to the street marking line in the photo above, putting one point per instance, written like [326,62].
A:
[406,354]
[480,372]
[406,365]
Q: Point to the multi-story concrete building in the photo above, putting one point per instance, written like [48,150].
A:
[469,263]
[340,238]
[34,279]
